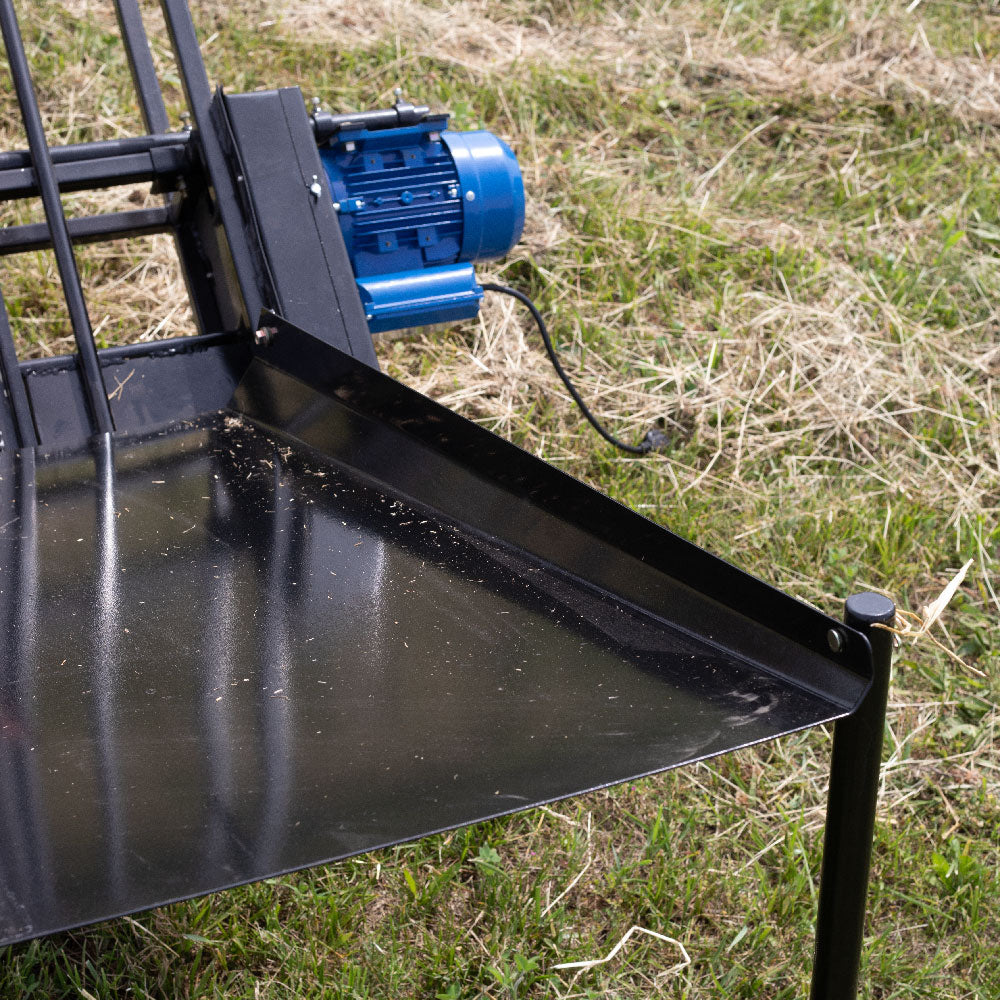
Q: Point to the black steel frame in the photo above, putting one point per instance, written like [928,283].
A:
[229,279]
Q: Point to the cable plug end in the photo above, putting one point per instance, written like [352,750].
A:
[655,440]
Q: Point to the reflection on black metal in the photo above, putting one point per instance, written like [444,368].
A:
[217,718]
[109,662]
[381,672]
[26,869]
[277,690]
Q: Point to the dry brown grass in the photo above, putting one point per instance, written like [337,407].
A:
[886,55]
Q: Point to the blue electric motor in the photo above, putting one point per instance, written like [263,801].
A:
[418,205]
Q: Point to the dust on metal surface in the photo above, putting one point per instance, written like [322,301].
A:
[223,659]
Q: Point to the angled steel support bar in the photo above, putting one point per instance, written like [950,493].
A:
[850,817]
[45,173]
[194,79]
[140,61]
[154,115]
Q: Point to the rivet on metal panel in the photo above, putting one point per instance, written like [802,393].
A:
[835,640]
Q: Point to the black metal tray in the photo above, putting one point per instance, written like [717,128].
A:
[332,616]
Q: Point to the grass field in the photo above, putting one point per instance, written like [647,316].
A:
[771,226]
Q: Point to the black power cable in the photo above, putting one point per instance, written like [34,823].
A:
[654,439]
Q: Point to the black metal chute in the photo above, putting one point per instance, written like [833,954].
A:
[422,629]
[263,606]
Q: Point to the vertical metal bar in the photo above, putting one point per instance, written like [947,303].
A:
[14,383]
[154,114]
[194,79]
[850,814]
[27,836]
[140,61]
[49,189]
[109,662]
[199,98]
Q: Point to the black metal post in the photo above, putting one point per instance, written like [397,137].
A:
[13,382]
[154,114]
[850,814]
[93,381]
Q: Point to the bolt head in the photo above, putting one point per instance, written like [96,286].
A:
[264,335]
[835,640]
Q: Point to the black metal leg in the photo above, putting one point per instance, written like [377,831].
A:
[850,816]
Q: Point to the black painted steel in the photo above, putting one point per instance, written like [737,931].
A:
[65,261]
[13,383]
[203,291]
[850,819]
[88,229]
[140,61]
[400,115]
[164,165]
[336,616]
[152,386]
[19,159]
[236,255]
[289,610]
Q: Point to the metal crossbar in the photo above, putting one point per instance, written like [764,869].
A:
[14,382]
